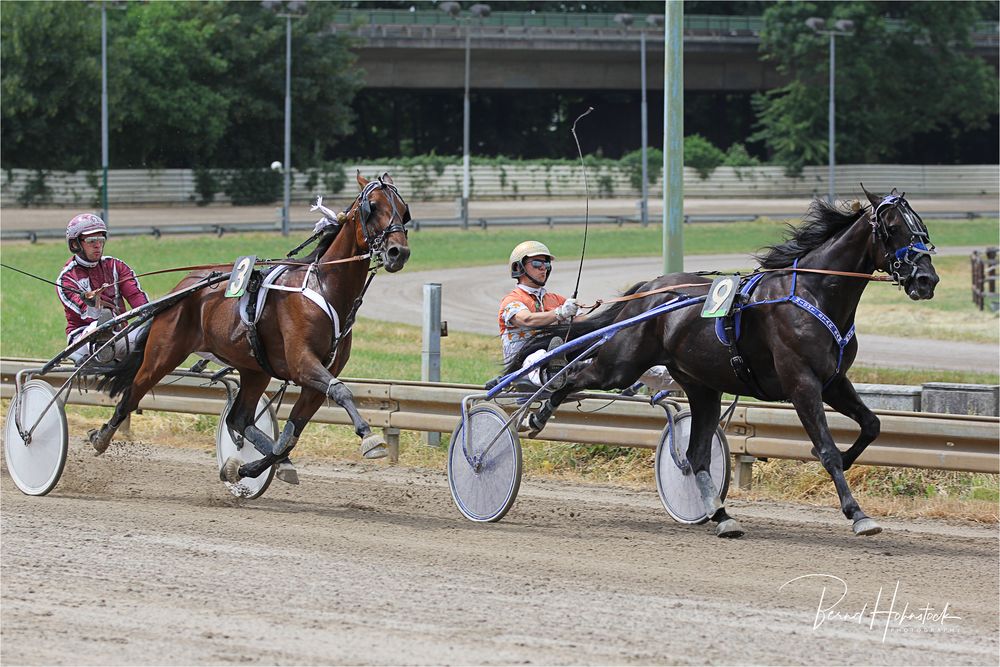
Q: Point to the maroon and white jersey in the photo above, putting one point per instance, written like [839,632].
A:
[79,274]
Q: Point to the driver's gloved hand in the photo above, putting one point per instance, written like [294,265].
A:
[567,310]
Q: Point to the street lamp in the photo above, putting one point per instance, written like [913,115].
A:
[841,28]
[627,20]
[479,11]
[288,11]
[104,103]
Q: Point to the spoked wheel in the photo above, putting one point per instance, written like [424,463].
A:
[225,446]
[36,465]
[678,488]
[484,486]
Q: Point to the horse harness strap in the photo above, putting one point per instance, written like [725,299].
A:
[262,282]
[349,322]
[727,328]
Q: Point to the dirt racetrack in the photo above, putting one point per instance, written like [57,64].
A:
[141,557]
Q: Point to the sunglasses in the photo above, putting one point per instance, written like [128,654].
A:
[95,240]
[541,263]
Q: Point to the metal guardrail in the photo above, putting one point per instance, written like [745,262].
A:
[763,430]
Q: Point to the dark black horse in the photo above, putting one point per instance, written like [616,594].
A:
[794,336]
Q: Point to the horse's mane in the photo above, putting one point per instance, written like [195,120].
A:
[326,239]
[821,222]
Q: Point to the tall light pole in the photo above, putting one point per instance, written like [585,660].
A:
[104,102]
[104,110]
[841,28]
[287,11]
[673,137]
[480,11]
[627,20]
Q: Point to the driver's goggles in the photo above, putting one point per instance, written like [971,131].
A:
[95,240]
[541,263]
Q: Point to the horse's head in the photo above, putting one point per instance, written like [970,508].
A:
[381,215]
[903,244]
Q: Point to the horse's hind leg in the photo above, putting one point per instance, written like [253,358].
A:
[705,410]
[842,397]
[240,419]
[157,361]
[810,410]
[305,407]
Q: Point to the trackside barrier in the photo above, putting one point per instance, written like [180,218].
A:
[757,430]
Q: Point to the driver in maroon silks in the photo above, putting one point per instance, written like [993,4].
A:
[94,288]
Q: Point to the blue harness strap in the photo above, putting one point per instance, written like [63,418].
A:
[747,289]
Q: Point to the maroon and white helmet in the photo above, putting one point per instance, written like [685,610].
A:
[85,223]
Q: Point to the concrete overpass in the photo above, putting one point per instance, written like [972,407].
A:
[520,50]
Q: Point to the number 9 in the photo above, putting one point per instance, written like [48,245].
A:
[721,293]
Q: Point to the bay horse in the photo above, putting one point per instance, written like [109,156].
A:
[299,330]
[793,338]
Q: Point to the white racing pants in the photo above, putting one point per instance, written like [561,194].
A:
[122,346]
[656,378]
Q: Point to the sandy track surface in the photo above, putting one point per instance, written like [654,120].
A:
[141,557]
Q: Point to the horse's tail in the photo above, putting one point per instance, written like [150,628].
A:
[119,378]
[544,335]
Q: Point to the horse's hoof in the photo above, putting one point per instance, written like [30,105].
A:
[866,526]
[231,470]
[100,446]
[287,473]
[529,426]
[373,447]
[730,528]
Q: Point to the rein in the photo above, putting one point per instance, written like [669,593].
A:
[672,288]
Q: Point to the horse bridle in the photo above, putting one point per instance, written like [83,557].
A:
[376,240]
[920,240]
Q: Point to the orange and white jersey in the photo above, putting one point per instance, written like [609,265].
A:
[523,298]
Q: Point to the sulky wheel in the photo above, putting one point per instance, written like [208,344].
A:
[676,485]
[484,478]
[36,462]
[225,446]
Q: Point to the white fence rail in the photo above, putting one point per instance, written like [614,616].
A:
[128,187]
[908,439]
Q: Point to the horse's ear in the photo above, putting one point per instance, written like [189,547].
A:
[895,192]
[362,181]
[386,178]
[872,198]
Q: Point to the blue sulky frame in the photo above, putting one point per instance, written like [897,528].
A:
[484,457]
[593,340]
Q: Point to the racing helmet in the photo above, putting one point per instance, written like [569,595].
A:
[527,249]
[81,225]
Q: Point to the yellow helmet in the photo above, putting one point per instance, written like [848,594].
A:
[526,249]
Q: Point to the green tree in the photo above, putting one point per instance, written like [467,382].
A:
[169,110]
[50,85]
[190,84]
[907,70]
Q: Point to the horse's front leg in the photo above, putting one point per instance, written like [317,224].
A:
[806,397]
[705,411]
[842,397]
[372,444]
